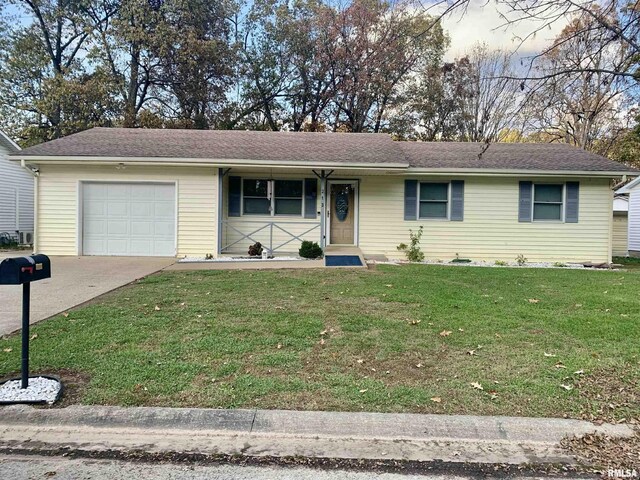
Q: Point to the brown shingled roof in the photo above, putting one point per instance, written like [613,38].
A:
[320,148]
[506,156]
[224,145]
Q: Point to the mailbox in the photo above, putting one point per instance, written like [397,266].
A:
[19,270]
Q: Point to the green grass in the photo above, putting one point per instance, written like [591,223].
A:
[631,263]
[356,340]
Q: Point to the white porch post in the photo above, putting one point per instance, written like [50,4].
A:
[323,209]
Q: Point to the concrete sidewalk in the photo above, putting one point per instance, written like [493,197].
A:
[277,433]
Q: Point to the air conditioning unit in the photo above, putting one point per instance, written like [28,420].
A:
[25,238]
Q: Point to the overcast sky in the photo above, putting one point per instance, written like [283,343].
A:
[481,23]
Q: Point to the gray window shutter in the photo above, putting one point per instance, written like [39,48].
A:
[526,200]
[571,210]
[310,197]
[410,199]
[235,194]
[457,200]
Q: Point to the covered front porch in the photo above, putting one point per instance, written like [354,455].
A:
[280,208]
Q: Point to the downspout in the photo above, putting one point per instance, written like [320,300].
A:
[36,176]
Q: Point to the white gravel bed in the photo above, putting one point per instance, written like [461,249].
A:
[39,389]
[566,266]
[238,259]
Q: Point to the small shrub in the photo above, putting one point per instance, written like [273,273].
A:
[521,260]
[255,250]
[208,256]
[310,249]
[501,263]
[460,260]
[560,265]
[413,251]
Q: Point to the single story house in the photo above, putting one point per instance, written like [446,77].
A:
[109,191]
[632,189]
[620,225]
[16,195]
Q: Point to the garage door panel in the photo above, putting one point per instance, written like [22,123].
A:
[142,228]
[140,247]
[94,227]
[142,209]
[164,230]
[128,219]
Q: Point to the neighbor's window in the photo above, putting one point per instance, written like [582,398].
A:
[255,196]
[547,201]
[272,197]
[434,199]
[288,197]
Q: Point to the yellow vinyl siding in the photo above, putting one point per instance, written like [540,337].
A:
[246,224]
[619,234]
[490,230]
[58,199]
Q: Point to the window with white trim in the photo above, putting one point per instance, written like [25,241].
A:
[433,200]
[272,197]
[548,201]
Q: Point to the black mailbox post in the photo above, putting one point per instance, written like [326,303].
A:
[23,271]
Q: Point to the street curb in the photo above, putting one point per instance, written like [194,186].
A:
[278,434]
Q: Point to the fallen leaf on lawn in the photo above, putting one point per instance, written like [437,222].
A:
[364,390]
[549,355]
[322,341]
[477,386]
[445,333]
[389,285]
[279,346]
[578,305]
[566,387]
[624,315]
[461,329]
[415,322]
[323,332]
[436,399]
[34,336]
[559,365]
[7,350]
[278,307]
[199,316]
[533,300]
[419,365]
[157,308]
[471,352]
[579,372]
[65,314]
[606,291]
[498,335]
[360,360]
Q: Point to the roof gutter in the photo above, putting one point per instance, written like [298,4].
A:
[66,160]
[493,172]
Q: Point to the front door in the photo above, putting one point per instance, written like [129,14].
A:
[342,214]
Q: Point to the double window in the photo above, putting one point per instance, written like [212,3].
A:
[272,197]
[433,200]
[548,201]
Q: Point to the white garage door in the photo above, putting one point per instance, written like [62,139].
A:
[129,219]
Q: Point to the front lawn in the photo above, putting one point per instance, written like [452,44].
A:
[510,341]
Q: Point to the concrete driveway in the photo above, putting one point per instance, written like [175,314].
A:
[74,280]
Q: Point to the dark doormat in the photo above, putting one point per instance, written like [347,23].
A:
[342,261]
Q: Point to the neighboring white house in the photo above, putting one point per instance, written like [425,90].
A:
[633,190]
[620,225]
[16,195]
